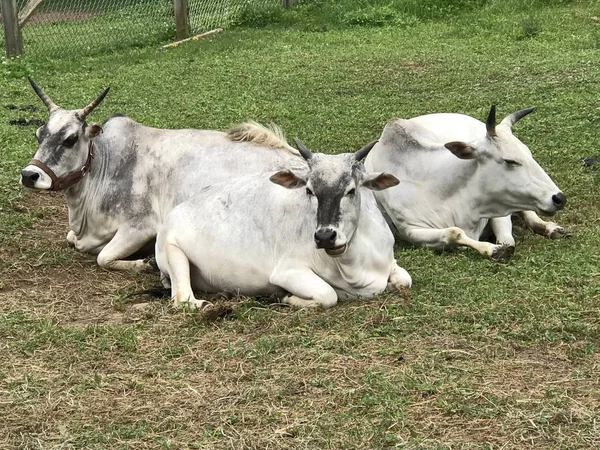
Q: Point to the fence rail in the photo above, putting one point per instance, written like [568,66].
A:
[54,28]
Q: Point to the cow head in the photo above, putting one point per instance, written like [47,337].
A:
[63,145]
[333,186]
[510,175]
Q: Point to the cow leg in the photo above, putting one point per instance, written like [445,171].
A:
[502,228]
[125,242]
[178,270]
[399,278]
[454,236]
[547,229]
[306,289]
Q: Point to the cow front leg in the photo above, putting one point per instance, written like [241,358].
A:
[502,228]
[454,236]
[399,278]
[306,289]
[550,230]
[125,242]
[175,267]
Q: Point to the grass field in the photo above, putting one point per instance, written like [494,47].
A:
[481,356]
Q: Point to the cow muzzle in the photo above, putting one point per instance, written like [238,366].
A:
[328,239]
[33,178]
[555,203]
[29,177]
[47,179]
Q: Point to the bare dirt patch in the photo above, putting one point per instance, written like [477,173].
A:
[41,275]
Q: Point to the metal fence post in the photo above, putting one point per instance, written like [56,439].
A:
[181,18]
[12,32]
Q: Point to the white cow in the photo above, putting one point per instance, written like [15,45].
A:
[459,177]
[261,236]
[122,178]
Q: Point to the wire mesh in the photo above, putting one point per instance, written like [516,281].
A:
[80,27]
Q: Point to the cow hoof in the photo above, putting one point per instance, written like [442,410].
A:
[165,280]
[150,264]
[71,239]
[503,253]
[400,278]
[298,302]
[196,304]
[558,233]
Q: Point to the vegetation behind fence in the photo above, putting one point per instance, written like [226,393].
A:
[61,27]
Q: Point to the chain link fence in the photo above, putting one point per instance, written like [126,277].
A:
[65,27]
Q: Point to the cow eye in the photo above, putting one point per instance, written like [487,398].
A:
[351,192]
[70,141]
[309,192]
[511,163]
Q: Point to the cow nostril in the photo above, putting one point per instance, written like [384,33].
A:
[29,177]
[333,236]
[559,199]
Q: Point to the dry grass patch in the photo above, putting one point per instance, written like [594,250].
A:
[279,378]
[530,398]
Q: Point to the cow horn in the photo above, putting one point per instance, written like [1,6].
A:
[509,121]
[89,108]
[306,153]
[363,152]
[490,123]
[41,94]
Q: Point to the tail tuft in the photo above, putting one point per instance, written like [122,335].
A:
[269,136]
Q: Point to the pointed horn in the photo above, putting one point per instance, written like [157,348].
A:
[509,121]
[363,152]
[41,94]
[490,123]
[89,108]
[306,153]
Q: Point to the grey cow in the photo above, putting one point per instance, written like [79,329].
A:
[122,178]
[316,234]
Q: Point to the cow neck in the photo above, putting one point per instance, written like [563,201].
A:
[70,179]
[79,196]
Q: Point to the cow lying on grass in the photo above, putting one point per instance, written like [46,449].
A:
[122,178]
[261,237]
[461,177]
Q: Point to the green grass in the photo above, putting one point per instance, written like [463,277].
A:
[481,356]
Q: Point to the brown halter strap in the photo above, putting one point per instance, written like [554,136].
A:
[69,179]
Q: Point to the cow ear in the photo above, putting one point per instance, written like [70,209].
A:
[461,150]
[93,130]
[379,181]
[287,179]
